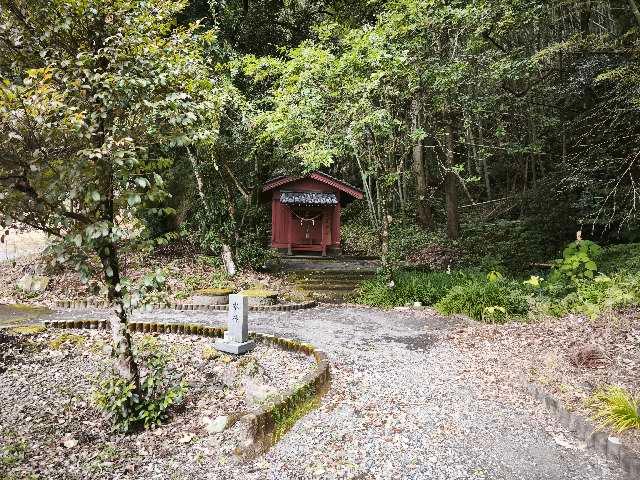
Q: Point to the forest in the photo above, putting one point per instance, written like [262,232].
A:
[496,144]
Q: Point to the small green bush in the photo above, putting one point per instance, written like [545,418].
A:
[578,262]
[476,298]
[160,389]
[616,408]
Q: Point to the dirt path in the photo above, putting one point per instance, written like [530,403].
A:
[404,404]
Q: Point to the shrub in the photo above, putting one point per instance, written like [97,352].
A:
[616,408]
[602,294]
[359,239]
[477,298]
[578,262]
[160,389]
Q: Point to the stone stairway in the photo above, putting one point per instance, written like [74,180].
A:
[331,286]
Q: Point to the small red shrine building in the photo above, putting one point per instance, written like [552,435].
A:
[305,212]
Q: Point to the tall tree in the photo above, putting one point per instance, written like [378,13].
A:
[91,95]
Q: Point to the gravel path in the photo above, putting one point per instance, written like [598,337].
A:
[404,404]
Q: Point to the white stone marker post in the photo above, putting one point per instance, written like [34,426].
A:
[236,338]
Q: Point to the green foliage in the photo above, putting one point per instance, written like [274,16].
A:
[578,262]
[161,388]
[480,299]
[616,408]
[409,287]
[358,238]
[13,452]
[623,257]
[91,105]
[504,246]
[603,294]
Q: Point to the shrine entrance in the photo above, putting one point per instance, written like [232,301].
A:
[307,225]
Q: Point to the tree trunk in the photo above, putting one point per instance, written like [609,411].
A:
[451,185]
[423,210]
[585,18]
[125,364]
[485,166]
[636,12]
[227,253]
[384,234]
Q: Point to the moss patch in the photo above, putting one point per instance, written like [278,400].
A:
[28,329]
[68,339]
[258,293]
[214,292]
[286,419]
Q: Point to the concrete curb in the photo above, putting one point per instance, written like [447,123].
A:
[83,304]
[586,431]
[260,423]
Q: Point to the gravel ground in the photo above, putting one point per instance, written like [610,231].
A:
[50,428]
[406,403]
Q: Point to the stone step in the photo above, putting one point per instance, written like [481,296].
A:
[321,282]
[327,288]
[324,276]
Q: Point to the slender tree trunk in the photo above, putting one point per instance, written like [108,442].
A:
[485,166]
[423,210]
[451,185]
[367,192]
[585,17]
[384,234]
[125,363]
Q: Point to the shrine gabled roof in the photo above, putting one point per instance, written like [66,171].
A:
[317,176]
[308,198]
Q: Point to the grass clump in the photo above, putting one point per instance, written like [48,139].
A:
[482,300]
[409,287]
[616,408]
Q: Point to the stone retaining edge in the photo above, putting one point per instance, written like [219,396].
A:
[260,423]
[587,431]
[82,304]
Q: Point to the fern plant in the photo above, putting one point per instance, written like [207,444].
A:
[616,408]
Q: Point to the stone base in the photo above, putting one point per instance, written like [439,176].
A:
[235,348]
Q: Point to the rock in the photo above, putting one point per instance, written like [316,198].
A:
[186,438]
[69,442]
[257,392]
[33,283]
[417,304]
[218,425]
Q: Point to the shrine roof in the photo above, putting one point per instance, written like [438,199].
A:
[317,176]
